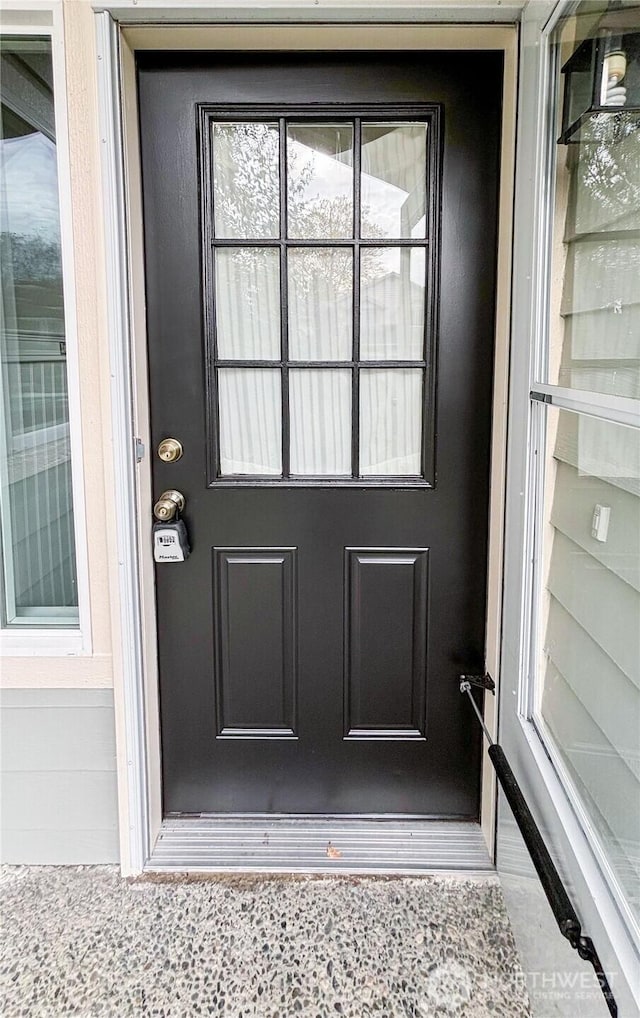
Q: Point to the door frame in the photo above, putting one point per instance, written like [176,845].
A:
[135,645]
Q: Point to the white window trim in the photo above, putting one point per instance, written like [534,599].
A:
[45,17]
[560,815]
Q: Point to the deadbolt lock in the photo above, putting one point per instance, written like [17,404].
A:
[169,505]
[170,450]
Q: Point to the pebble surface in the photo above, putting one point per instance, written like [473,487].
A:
[81,941]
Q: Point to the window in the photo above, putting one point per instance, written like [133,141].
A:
[320,297]
[585,412]
[38,545]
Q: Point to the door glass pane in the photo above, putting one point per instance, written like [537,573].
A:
[391,421]
[314,332]
[394,180]
[38,549]
[589,695]
[320,303]
[250,421]
[246,189]
[247,303]
[320,181]
[320,421]
[392,302]
[594,329]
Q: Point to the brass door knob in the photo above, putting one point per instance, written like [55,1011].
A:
[168,505]
[170,450]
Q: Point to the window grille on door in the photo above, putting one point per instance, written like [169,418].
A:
[320,252]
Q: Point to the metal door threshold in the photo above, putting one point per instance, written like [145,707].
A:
[318,845]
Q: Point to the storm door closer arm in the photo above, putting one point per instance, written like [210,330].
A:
[563,911]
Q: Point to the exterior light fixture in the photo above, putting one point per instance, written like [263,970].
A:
[602,79]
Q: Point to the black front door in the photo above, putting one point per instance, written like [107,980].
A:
[320,253]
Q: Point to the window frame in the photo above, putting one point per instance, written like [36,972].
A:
[610,408]
[432,115]
[57,639]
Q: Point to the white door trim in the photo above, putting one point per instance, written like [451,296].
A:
[199,12]
[129,691]
[135,672]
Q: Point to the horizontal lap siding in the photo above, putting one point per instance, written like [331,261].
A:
[601,299]
[608,781]
[604,690]
[591,698]
[607,785]
[597,600]
[58,776]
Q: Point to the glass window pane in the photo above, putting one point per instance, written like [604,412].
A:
[594,328]
[320,421]
[394,180]
[392,300]
[589,696]
[247,301]
[38,552]
[320,181]
[391,421]
[246,190]
[320,304]
[250,412]
[600,344]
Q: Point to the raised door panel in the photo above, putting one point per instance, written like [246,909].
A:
[386,642]
[255,639]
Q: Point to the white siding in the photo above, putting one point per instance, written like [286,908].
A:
[591,693]
[58,776]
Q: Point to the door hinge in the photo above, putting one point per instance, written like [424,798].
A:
[481,681]
[139,447]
